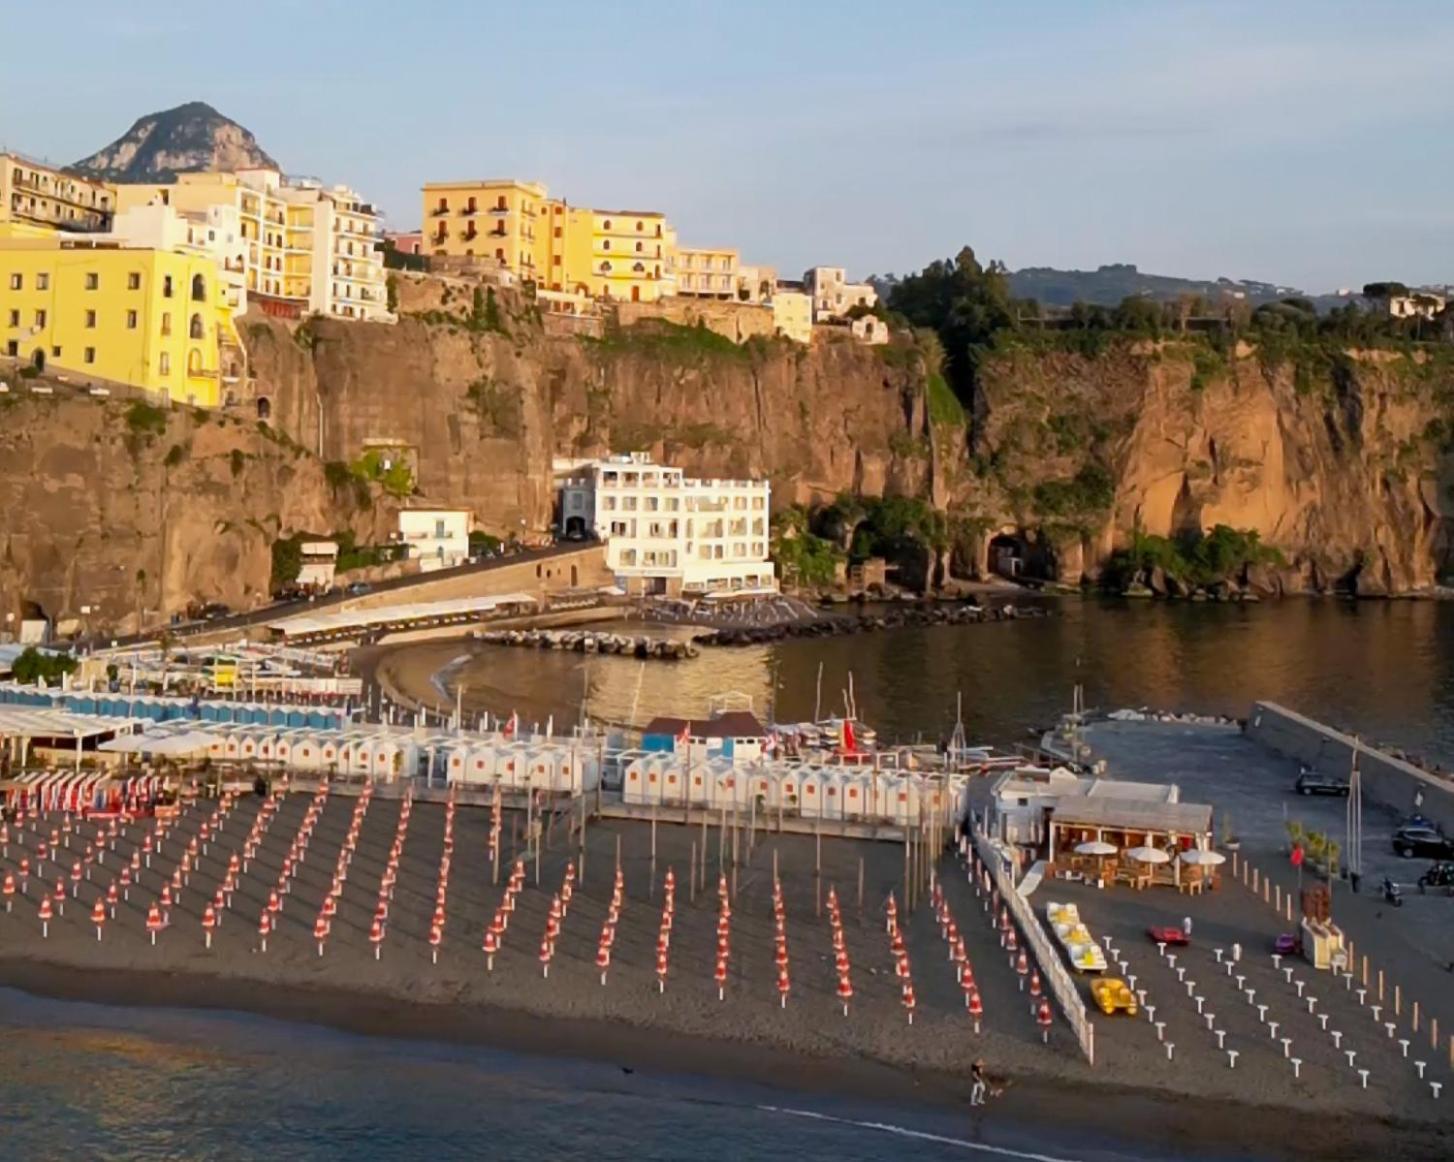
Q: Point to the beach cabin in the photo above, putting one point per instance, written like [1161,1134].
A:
[734,735]
[306,752]
[762,789]
[511,771]
[855,789]
[478,763]
[790,790]
[542,766]
[810,793]
[391,757]
[832,786]
[634,780]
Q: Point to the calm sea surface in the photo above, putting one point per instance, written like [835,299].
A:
[1385,669]
[93,1082]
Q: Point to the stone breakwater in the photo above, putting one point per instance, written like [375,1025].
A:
[838,625]
[585,641]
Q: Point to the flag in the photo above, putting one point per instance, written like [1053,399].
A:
[849,746]
[685,737]
[770,746]
[512,725]
[1296,859]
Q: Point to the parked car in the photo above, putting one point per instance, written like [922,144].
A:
[1310,782]
[1111,994]
[359,588]
[1168,934]
[1423,840]
[1439,875]
[215,611]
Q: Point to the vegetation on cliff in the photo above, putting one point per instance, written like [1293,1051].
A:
[1193,560]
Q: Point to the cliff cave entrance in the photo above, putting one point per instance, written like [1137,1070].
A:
[1021,556]
[575,527]
[264,408]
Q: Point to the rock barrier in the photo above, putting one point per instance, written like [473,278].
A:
[839,625]
[586,641]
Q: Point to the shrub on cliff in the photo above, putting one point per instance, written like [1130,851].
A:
[32,665]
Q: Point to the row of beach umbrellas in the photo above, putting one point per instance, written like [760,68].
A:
[1195,855]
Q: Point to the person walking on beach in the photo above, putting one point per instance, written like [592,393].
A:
[977,1090]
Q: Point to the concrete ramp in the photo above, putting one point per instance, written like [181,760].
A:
[1032,879]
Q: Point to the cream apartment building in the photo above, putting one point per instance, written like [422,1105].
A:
[310,246]
[667,533]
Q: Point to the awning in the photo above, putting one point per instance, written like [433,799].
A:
[184,745]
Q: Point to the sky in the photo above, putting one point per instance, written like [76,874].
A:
[1306,143]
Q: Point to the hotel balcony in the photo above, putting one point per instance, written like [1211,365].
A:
[438,211]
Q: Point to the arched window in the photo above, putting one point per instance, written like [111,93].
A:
[194,362]
[196,329]
[264,408]
[199,289]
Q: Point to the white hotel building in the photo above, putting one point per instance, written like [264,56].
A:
[666,533]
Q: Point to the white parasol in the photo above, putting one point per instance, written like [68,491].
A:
[1149,855]
[1203,858]
[1096,847]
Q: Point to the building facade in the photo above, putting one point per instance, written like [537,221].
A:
[497,218]
[436,538]
[792,315]
[151,319]
[833,295]
[706,272]
[308,245]
[667,533]
[42,197]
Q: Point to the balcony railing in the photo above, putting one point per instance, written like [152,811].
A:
[438,210]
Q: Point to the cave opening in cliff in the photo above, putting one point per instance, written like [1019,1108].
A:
[264,408]
[1019,555]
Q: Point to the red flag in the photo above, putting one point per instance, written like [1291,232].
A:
[849,746]
[685,737]
[510,725]
[1296,858]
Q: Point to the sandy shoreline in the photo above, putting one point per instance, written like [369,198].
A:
[1137,1116]
[809,1045]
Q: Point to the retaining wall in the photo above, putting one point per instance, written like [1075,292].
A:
[1385,779]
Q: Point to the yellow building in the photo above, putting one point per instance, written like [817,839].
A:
[618,254]
[148,318]
[38,195]
[499,219]
[630,255]
[310,245]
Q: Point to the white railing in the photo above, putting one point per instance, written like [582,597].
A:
[1052,967]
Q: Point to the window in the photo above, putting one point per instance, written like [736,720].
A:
[17,282]
[40,318]
[131,320]
[199,289]
[606,225]
[93,280]
[90,320]
[55,352]
[90,355]
[15,318]
[164,364]
[166,287]
[639,226]
[606,245]
[166,323]
[42,282]
[196,330]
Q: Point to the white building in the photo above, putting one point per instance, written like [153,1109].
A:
[320,563]
[438,538]
[833,295]
[667,533]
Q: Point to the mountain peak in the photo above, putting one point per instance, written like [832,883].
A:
[186,139]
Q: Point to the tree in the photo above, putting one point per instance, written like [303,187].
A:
[1384,290]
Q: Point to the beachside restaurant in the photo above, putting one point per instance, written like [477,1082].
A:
[1135,842]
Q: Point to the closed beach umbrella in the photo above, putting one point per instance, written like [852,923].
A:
[1148,855]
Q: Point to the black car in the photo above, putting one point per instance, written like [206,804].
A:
[1309,782]
[215,611]
[359,588]
[1422,840]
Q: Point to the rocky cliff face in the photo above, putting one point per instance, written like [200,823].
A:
[100,510]
[185,139]
[1344,467]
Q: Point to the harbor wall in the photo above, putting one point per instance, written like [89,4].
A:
[1386,780]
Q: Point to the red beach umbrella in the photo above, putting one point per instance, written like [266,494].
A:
[845,991]
[320,932]
[546,952]
[264,926]
[909,1002]
[720,975]
[209,922]
[976,1008]
[154,922]
[1044,1018]
[436,936]
[44,913]
[9,889]
[98,916]
[603,959]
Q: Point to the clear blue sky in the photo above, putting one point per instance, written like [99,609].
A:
[1302,142]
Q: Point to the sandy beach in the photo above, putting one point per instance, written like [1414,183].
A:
[808,1044]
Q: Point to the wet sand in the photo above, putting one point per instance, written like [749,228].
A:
[809,1045]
